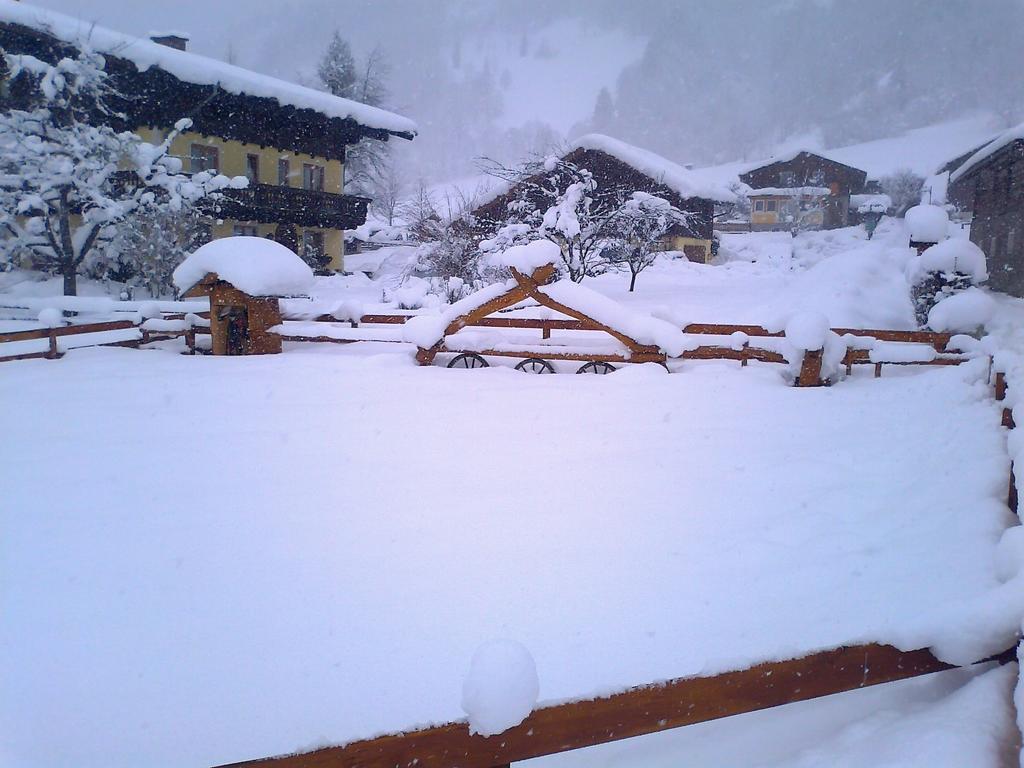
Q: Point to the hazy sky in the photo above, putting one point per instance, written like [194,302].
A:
[699,81]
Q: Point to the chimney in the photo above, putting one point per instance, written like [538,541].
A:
[170,39]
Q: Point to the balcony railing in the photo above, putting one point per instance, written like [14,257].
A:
[269,204]
[272,204]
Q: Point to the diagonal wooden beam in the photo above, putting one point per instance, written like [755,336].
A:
[633,712]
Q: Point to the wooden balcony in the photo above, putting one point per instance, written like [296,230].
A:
[272,204]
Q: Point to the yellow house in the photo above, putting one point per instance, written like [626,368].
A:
[289,140]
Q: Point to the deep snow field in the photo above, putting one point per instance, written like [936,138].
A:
[212,559]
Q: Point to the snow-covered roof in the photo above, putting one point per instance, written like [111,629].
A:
[254,265]
[921,150]
[680,180]
[869,203]
[1002,140]
[789,191]
[201,70]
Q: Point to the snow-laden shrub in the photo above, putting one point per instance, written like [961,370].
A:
[941,271]
[963,312]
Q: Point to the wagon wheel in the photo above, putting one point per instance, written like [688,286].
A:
[534,365]
[468,360]
[596,366]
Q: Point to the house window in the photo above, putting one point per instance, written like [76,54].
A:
[245,229]
[787,179]
[313,248]
[1011,236]
[313,177]
[252,168]
[993,247]
[770,206]
[284,172]
[203,157]
[759,205]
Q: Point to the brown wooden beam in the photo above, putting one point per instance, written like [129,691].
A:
[634,712]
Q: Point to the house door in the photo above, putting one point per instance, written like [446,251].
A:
[236,320]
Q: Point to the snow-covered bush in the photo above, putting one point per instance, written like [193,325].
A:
[69,178]
[941,271]
[150,244]
[963,312]
[636,228]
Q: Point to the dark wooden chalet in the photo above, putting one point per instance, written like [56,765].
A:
[993,178]
[809,170]
[617,177]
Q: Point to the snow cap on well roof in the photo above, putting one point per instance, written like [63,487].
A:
[200,70]
[681,181]
[1006,137]
[254,265]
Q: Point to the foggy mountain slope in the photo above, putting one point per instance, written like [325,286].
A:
[695,82]
[850,72]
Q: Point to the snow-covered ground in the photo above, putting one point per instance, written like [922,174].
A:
[212,559]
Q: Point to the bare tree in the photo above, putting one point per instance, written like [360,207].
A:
[638,228]
[388,194]
[904,189]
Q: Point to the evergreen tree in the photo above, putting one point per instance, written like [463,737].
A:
[366,163]
[337,68]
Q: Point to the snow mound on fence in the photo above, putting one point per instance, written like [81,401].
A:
[964,312]
[501,688]
[526,258]
[642,327]
[927,223]
[426,330]
[255,265]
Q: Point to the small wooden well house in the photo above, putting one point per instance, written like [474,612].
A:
[244,278]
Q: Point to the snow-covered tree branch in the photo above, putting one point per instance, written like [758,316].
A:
[67,179]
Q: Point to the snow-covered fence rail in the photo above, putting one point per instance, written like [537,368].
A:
[111,333]
[633,712]
[895,347]
[52,334]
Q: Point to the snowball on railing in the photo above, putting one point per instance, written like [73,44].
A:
[501,688]
[528,257]
[51,317]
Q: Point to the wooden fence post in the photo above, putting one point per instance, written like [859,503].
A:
[1007,421]
[52,354]
[810,369]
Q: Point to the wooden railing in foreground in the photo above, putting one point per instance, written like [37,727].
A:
[633,712]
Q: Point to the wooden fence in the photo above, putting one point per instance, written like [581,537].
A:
[743,353]
[51,335]
[634,712]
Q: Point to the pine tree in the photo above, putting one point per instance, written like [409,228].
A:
[337,68]
[603,119]
[366,162]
